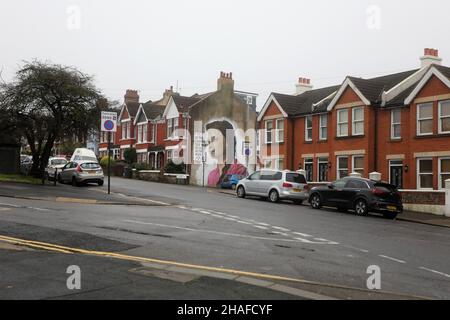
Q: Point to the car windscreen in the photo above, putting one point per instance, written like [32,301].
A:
[90,166]
[295,177]
[58,162]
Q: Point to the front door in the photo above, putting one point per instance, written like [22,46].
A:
[396,174]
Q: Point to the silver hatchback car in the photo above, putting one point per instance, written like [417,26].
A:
[275,185]
[81,172]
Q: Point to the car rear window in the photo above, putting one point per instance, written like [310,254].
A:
[57,162]
[387,186]
[90,166]
[295,177]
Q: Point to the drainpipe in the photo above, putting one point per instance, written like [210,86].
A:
[292,144]
[375,149]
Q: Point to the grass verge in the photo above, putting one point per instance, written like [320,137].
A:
[17,178]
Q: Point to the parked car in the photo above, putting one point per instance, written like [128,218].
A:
[54,163]
[83,154]
[81,172]
[275,185]
[358,194]
[230,181]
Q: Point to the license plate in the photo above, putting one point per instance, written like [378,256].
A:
[392,208]
[297,190]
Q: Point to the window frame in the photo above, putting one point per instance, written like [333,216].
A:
[308,138]
[320,161]
[440,173]
[338,168]
[418,173]
[309,161]
[321,127]
[393,124]
[353,164]
[268,133]
[341,123]
[418,119]
[440,118]
[277,164]
[354,122]
[278,131]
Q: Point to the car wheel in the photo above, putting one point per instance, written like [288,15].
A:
[315,201]
[241,192]
[390,215]
[274,196]
[361,207]
[74,182]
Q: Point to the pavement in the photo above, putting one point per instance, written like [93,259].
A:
[325,252]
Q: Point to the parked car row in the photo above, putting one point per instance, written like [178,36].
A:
[350,193]
[82,168]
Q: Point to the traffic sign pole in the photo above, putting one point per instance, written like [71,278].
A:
[109,124]
[109,162]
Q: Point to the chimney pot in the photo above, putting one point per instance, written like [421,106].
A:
[431,56]
[303,85]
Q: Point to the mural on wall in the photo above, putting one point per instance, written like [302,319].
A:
[217,146]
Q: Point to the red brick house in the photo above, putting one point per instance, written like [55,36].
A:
[147,121]
[125,121]
[398,125]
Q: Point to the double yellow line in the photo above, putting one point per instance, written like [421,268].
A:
[237,273]
[70,250]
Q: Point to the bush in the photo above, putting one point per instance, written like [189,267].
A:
[104,161]
[130,155]
[174,168]
[142,166]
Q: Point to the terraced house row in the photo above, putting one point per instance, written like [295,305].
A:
[397,125]
[157,130]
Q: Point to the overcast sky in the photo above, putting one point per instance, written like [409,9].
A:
[150,45]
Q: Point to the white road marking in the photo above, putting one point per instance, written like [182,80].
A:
[281,229]
[260,227]
[437,272]
[302,234]
[393,259]
[23,207]
[280,233]
[219,233]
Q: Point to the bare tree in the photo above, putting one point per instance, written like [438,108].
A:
[47,102]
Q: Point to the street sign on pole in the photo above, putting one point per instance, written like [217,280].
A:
[109,121]
[109,125]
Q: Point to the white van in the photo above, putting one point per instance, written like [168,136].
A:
[83,154]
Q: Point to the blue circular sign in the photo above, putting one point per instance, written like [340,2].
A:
[109,125]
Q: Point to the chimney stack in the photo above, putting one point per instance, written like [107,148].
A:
[431,56]
[131,96]
[303,85]
[225,81]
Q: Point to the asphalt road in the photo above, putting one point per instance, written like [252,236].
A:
[204,227]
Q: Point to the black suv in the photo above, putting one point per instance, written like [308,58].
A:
[361,195]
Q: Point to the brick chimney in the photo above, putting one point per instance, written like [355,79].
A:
[431,56]
[225,82]
[168,92]
[131,96]
[303,85]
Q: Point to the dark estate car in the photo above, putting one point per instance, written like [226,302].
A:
[358,194]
